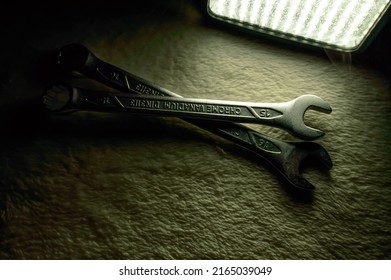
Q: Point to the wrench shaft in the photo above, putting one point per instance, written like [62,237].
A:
[246,112]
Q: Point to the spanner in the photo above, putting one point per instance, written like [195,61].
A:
[284,115]
[287,115]
[285,157]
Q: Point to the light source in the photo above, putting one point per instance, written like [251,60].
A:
[342,25]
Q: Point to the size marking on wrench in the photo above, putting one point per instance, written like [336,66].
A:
[253,139]
[265,144]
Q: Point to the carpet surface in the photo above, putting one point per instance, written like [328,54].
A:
[115,186]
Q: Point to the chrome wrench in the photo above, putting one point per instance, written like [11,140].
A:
[285,115]
[285,157]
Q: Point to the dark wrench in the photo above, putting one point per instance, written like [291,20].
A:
[285,157]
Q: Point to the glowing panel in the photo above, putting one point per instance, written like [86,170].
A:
[333,24]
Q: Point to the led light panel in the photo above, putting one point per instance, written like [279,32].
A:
[333,24]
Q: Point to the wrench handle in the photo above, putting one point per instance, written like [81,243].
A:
[245,112]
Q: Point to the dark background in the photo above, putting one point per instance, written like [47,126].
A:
[86,186]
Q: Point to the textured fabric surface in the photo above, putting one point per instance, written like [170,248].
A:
[114,186]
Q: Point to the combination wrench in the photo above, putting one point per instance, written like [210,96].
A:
[285,157]
[286,115]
